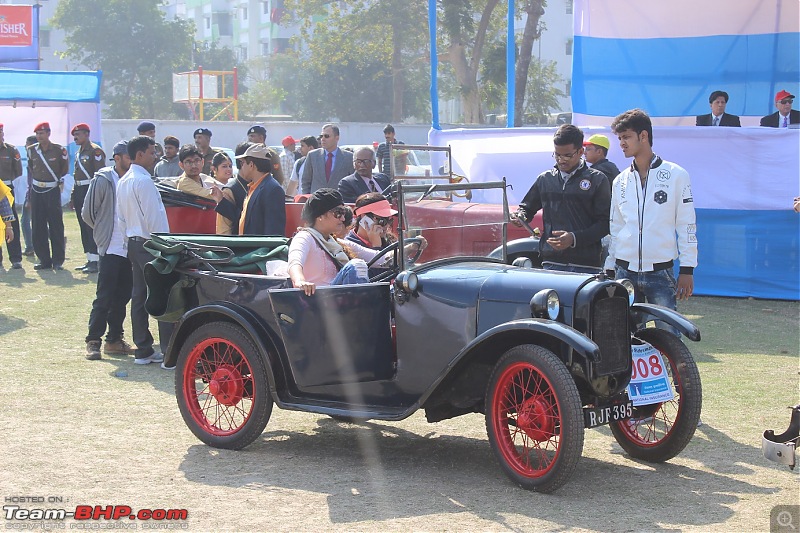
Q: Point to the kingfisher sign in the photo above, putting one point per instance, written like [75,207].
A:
[16,25]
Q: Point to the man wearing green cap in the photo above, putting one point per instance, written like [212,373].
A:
[595,150]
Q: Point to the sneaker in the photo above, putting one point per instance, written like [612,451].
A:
[118,347]
[82,266]
[16,265]
[165,367]
[93,350]
[90,268]
[155,357]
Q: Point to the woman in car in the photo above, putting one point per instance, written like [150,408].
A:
[374,218]
[316,256]
[221,167]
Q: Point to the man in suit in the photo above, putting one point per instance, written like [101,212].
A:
[363,180]
[264,210]
[718,100]
[326,166]
[785,116]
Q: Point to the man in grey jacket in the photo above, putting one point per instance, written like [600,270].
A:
[115,278]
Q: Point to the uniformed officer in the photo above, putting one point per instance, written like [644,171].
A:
[202,138]
[89,159]
[258,134]
[149,129]
[48,163]
[10,169]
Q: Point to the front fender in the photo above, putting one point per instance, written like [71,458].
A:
[229,312]
[669,316]
[528,247]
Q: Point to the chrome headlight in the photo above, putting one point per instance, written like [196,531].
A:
[407,281]
[628,284]
[545,304]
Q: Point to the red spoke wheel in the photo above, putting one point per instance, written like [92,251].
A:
[534,418]
[221,386]
[660,431]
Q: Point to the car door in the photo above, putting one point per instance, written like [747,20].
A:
[341,334]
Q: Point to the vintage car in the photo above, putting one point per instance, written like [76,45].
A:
[542,355]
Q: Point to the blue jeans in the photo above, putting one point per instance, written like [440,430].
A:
[653,287]
[354,271]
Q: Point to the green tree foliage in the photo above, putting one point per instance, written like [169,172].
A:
[134,45]
[360,60]
[543,88]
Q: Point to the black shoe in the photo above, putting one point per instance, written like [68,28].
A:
[28,253]
[82,266]
[16,265]
[42,266]
[90,268]
[58,267]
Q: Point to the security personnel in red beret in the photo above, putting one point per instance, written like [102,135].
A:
[48,163]
[11,169]
[89,159]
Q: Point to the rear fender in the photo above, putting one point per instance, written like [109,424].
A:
[262,337]
[673,318]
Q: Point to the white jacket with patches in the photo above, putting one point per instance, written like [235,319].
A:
[653,224]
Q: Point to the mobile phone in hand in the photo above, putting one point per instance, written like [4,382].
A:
[366,222]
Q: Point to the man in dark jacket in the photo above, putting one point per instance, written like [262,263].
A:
[576,202]
[785,116]
[718,100]
[264,209]
[595,150]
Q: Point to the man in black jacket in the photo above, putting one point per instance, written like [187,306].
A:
[785,116]
[595,150]
[718,117]
[576,202]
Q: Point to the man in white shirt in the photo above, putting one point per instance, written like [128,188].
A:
[140,213]
[115,277]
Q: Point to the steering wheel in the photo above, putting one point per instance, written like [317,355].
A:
[395,269]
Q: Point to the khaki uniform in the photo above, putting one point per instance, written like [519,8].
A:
[45,196]
[10,169]
[88,160]
[207,159]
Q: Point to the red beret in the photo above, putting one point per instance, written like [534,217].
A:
[82,126]
[42,126]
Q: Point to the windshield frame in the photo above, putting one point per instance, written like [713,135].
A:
[403,187]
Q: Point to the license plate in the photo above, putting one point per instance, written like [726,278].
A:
[599,416]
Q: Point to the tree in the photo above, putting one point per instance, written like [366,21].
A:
[543,89]
[534,9]
[381,43]
[133,44]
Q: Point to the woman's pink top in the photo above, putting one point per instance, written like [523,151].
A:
[318,266]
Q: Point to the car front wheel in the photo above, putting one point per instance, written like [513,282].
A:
[221,386]
[658,432]
[534,418]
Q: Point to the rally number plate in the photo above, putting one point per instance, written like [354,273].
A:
[599,416]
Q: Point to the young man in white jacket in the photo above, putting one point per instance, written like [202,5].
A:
[652,218]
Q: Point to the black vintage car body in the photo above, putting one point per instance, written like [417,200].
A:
[542,354]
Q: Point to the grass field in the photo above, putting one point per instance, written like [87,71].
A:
[109,433]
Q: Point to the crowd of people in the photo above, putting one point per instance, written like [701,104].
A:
[649,224]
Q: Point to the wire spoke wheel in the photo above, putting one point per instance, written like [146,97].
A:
[660,431]
[221,386]
[534,418]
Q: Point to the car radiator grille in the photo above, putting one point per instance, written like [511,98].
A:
[610,332]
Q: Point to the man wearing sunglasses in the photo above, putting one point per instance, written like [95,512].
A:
[576,201]
[785,116]
[264,210]
[326,166]
[374,219]
[363,180]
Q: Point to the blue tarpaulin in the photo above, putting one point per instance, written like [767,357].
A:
[46,86]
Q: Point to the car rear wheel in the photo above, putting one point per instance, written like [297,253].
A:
[659,432]
[534,418]
[221,386]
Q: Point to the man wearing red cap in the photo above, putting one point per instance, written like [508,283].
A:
[89,159]
[10,169]
[785,115]
[48,163]
[287,157]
